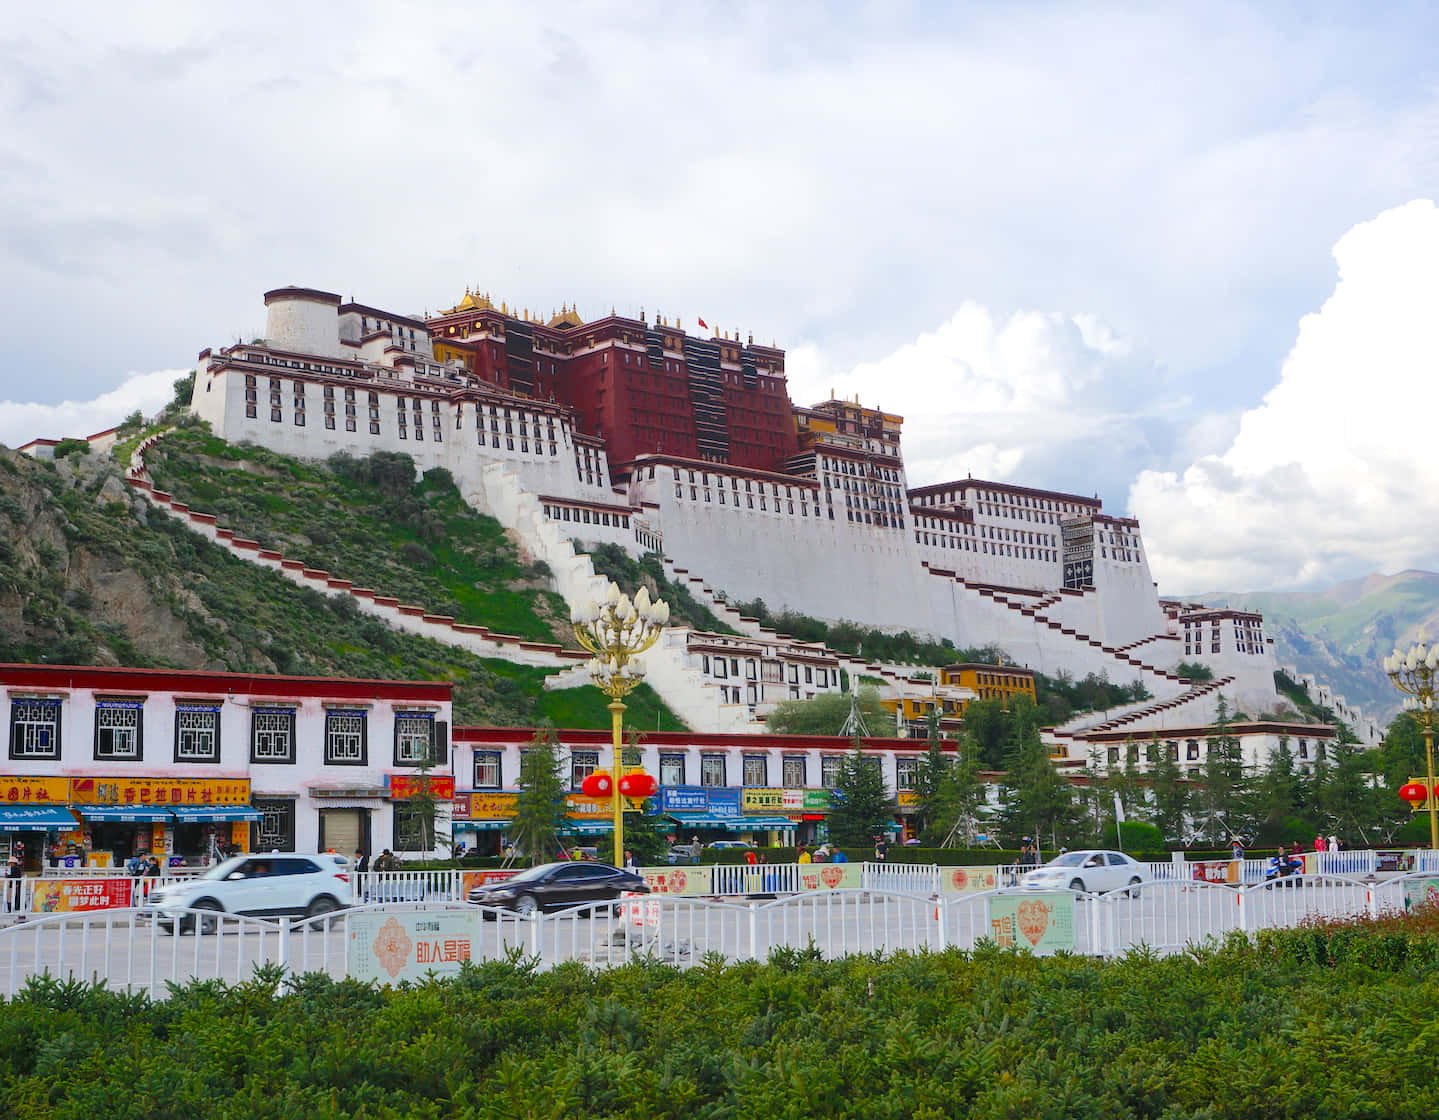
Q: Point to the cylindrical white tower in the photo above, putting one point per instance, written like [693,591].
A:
[303,320]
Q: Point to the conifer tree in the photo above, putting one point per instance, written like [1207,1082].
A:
[540,806]
[860,806]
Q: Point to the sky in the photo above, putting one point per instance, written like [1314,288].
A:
[1178,256]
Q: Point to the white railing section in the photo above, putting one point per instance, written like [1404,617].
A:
[126,950]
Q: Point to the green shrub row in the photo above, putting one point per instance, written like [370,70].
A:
[1230,1029]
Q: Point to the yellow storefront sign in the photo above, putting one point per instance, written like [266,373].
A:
[762,800]
[160,791]
[34,791]
[492,806]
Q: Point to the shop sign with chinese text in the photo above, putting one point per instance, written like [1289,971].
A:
[405,786]
[160,791]
[34,791]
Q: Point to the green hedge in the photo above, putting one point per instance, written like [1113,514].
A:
[1326,1021]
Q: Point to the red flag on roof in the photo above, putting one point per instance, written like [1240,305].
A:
[704,324]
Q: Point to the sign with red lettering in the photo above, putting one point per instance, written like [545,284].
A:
[59,896]
[410,946]
[405,786]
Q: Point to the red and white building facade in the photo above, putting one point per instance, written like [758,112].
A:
[185,764]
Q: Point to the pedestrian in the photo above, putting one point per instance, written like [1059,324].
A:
[1320,843]
[153,867]
[821,854]
[362,862]
[804,856]
[1334,843]
[750,857]
[1236,849]
[881,850]
[13,874]
[837,855]
[630,861]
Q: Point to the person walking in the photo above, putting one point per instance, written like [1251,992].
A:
[804,856]
[362,862]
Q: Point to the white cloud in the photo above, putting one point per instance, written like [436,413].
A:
[1040,399]
[147,392]
[843,175]
[1335,474]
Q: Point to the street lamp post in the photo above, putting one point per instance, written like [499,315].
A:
[1413,672]
[617,631]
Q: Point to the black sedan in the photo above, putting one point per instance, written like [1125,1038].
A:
[554,886]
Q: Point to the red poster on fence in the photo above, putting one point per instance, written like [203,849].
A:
[56,896]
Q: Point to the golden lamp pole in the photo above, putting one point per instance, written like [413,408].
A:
[616,631]
[1413,672]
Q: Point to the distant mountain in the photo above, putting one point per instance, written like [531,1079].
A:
[1343,633]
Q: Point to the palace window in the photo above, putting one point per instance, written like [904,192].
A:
[829,771]
[794,772]
[906,772]
[487,769]
[756,770]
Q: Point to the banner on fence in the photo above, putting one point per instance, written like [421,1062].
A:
[391,947]
[640,910]
[59,896]
[1043,922]
[1216,870]
[680,880]
[962,880]
[469,880]
[1420,892]
[830,876]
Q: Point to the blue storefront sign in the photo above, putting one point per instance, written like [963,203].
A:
[684,799]
[724,801]
[715,801]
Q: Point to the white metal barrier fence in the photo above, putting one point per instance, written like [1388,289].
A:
[125,950]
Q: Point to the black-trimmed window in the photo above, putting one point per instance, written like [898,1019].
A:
[829,770]
[197,733]
[120,730]
[712,770]
[488,774]
[414,832]
[906,772]
[672,769]
[415,738]
[794,771]
[272,735]
[34,728]
[756,771]
[582,765]
[346,737]
[275,830]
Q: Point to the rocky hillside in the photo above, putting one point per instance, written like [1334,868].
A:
[91,574]
[1343,633]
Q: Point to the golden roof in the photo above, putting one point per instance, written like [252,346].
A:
[474,301]
[567,317]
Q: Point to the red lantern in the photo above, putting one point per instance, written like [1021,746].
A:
[1413,792]
[597,784]
[638,785]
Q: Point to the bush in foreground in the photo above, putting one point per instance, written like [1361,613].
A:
[1272,1028]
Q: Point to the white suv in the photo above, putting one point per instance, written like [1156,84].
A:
[295,883]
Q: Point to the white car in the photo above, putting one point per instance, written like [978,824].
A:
[1093,870]
[307,884]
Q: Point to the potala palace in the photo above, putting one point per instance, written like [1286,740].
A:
[635,432]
